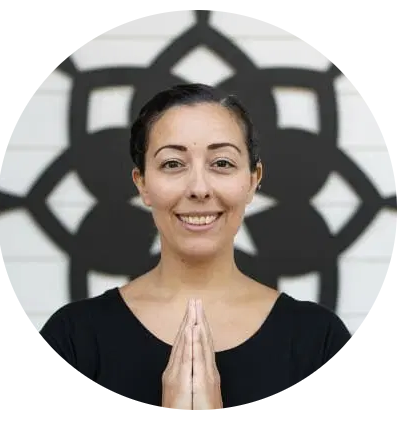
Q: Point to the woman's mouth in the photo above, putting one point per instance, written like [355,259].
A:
[199,222]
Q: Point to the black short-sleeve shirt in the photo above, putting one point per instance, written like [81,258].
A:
[106,342]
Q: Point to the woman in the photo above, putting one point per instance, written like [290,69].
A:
[195,332]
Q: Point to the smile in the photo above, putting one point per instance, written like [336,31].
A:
[199,220]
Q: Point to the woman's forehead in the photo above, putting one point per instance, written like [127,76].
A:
[199,123]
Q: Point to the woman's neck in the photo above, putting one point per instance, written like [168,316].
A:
[182,278]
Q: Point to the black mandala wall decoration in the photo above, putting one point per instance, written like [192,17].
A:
[290,239]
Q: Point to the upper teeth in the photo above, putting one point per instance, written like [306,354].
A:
[199,220]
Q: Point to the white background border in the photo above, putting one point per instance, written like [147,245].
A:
[356,389]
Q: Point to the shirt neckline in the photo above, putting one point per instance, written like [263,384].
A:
[266,322]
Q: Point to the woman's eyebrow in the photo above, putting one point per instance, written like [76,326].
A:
[171,146]
[213,146]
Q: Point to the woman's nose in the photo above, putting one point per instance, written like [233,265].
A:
[199,186]
[199,195]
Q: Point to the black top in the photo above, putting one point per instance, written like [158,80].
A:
[105,341]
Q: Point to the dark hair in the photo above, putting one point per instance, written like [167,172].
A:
[187,94]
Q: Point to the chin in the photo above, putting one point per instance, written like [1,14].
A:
[200,251]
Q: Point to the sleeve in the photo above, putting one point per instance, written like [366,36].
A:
[57,332]
[319,333]
[337,335]
[68,331]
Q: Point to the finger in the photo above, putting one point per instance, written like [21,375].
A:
[191,319]
[206,337]
[198,360]
[183,324]
[178,347]
[187,353]
[178,338]
[202,321]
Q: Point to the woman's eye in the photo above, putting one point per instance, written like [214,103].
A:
[223,163]
[171,164]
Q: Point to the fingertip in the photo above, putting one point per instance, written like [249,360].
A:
[191,313]
[199,306]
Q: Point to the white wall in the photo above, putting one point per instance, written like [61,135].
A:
[38,269]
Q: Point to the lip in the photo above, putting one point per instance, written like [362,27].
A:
[199,228]
[209,213]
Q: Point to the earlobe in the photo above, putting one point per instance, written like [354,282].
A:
[138,180]
[136,175]
[259,172]
[258,175]
[256,182]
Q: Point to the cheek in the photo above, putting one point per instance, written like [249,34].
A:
[235,194]
[163,194]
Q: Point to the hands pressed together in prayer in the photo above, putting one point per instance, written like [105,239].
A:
[191,379]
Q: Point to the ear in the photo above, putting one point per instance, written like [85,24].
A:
[139,182]
[256,177]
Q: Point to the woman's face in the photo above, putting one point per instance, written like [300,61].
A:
[197,178]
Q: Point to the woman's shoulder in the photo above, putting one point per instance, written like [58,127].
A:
[73,329]
[282,302]
[308,312]
[84,310]
[295,312]
[313,326]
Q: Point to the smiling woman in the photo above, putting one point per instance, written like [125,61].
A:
[198,172]
[195,332]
